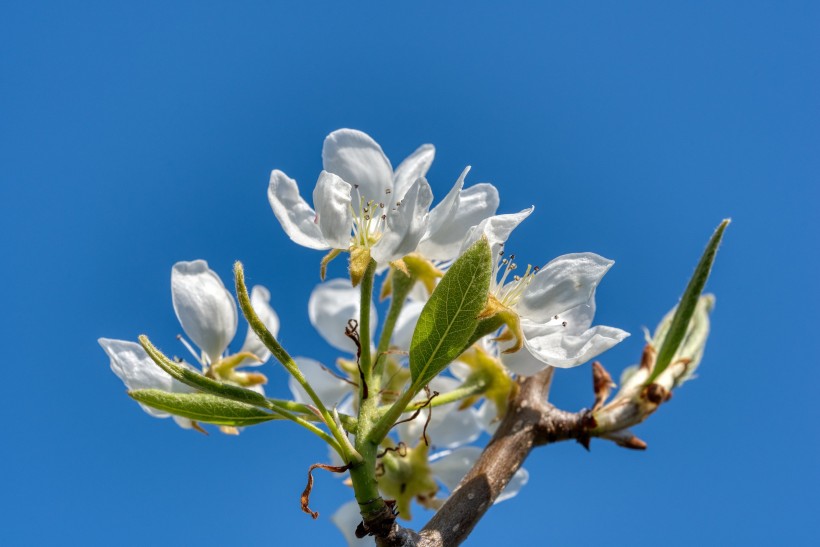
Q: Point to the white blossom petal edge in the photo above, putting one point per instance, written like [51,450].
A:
[359,201]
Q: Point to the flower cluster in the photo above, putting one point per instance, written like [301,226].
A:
[414,436]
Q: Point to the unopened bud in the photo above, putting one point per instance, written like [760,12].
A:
[689,354]
[627,439]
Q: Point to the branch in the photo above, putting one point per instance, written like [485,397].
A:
[530,421]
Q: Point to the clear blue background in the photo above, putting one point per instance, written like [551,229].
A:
[133,135]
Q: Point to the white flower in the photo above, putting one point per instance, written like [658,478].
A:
[208,315]
[360,201]
[554,305]
[451,220]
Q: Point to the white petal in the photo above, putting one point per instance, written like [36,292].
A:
[564,283]
[448,426]
[414,166]
[406,224]
[332,304]
[346,519]
[330,389]
[406,324]
[260,300]
[488,417]
[451,220]
[497,229]
[517,482]
[451,466]
[333,213]
[294,214]
[136,370]
[460,370]
[184,423]
[565,351]
[522,362]
[359,160]
[205,309]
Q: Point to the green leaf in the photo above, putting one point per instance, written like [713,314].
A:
[688,302]
[202,407]
[451,315]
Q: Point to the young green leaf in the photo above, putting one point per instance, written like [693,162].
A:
[688,302]
[203,407]
[451,315]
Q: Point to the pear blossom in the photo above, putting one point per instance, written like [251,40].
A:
[553,306]
[360,201]
[454,216]
[208,315]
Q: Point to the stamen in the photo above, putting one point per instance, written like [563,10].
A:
[190,348]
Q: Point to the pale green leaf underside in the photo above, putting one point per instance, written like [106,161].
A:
[202,407]
[451,315]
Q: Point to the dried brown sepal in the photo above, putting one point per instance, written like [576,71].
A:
[197,427]
[352,332]
[305,499]
[602,385]
[400,449]
[418,411]
[648,357]
[633,443]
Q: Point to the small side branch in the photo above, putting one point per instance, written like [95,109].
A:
[530,422]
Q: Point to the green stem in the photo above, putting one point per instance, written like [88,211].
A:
[364,320]
[363,477]
[462,392]
[401,286]
[287,361]
[382,426]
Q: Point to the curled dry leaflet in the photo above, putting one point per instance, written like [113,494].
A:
[469,344]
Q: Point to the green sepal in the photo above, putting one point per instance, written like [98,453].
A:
[198,381]
[202,407]
[686,308]
[450,316]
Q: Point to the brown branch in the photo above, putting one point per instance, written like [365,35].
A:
[530,422]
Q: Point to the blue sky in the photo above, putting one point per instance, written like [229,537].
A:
[134,135]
